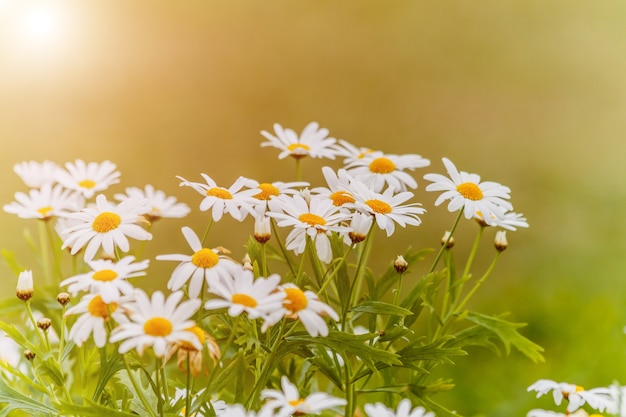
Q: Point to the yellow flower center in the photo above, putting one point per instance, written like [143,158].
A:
[106,221]
[267,191]
[199,333]
[470,191]
[219,193]
[99,308]
[158,326]
[44,211]
[295,300]
[244,299]
[87,183]
[379,206]
[312,219]
[292,147]
[205,258]
[341,197]
[295,403]
[104,275]
[382,166]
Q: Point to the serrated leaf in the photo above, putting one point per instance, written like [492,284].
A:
[15,400]
[507,332]
[380,307]
[136,404]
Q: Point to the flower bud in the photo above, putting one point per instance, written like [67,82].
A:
[24,290]
[500,242]
[262,229]
[400,264]
[447,240]
[29,355]
[63,298]
[44,323]
[360,225]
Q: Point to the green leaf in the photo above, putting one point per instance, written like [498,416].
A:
[413,354]
[15,400]
[136,404]
[92,409]
[390,277]
[507,333]
[379,307]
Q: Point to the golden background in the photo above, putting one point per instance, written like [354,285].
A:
[527,93]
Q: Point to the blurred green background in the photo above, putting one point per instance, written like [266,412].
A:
[529,93]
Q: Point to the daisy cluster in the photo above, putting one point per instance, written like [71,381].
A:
[371,190]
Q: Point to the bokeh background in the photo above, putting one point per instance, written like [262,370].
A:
[529,93]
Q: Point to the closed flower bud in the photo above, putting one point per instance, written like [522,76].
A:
[360,225]
[500,242]
[24,290]
[29,355]
[400,264]
[447,240]
[63,298]
[44,323]
[262,229]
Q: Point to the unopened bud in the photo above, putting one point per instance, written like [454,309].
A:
[29,355]
[44,323]
[360,225]
[500,242]
[63,298]
[447,240]
[24,289]
[400,264]
[262,229]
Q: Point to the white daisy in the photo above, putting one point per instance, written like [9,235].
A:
[307,307]
[88,178]
[509,221]
[315,220]
[157,322]
[259,298]
[203,265]
[270,191]
[379,170]
[338,186]
[94,314]
[387,207]
[107,278]
[350,152]
[403,410]
[107,225]
[466,191]
[313,141]
[45,203]
[162,205]
[597,398]
[288,401]
[36,174]
[233,200]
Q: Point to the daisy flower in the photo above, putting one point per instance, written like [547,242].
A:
[387,208]
[403,410]
[107,278]
[107,225]
[597,398]
[44,203]
[203,265]
[162,205]
[307,307]
[379,170]
[350,152]
[88,178]
[189,354]
[338,187]
[157,322]
[509,221]
[313,141]
[288,401]
[315,220]
[270,191]
[259,298]
[233,200]
[94,313]
[36,174]
[466,192]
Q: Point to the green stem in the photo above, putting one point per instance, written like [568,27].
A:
[358,274]
[472,255]
[266,369]
[188,388]
[206,231]
[478,283]
[330,277]
[45,254]
[445,244]
[288,259]
[138,389]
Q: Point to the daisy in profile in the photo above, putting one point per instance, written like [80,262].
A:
[466,192]
[597,398]
[379,170]
[203,265]
[509,221]
[350,152]
[107,225]
[403,410]
[94,313]
[36,174]
[315,219]
[162,205]
[88,178]
[107,278]
[307,307]
[313,141]
[270,191]
[235,200]
[45,203]
[258,298]
[158,322]
[387,208]
[288,401]
[338,187]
